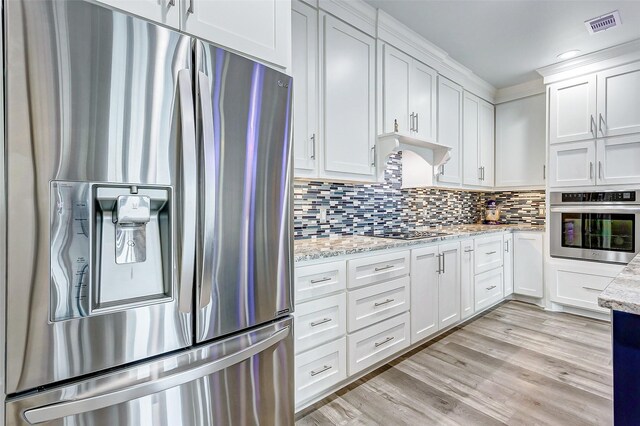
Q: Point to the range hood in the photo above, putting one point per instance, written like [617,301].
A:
[434,154]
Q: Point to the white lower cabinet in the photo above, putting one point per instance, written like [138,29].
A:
[372,344]
[488,288]
[320,280]
[508,264]
[449,285]
[376,303]
[466,280]
[528,264]
[319,369]
[320,321]
[488,253]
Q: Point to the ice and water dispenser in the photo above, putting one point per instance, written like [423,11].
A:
[111,247]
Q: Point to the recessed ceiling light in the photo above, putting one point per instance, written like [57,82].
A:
[569,54]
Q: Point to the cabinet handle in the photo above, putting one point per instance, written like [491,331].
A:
[600,126]
[383,268]
[383,303]
[600,169]
[591,123]
[490,253]
[439,271]
[322,370]
[544,172]
[506,246]
[444,268]
[592,289]
[491,288]
[387,340]
[417,124]
[191,8]
[313,146]
[373,155]
[412,121]
[171,3]
[468,251]
[479,173]
[442,170]
[321,280]
[590,169]
[322,321]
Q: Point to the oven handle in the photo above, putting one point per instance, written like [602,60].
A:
[594,209]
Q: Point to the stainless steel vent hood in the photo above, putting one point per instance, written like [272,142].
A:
[413,170]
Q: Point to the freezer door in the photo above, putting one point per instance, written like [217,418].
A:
[245,247]
[101,190]
[243,380]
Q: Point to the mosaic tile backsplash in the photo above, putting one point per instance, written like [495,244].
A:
[366,208]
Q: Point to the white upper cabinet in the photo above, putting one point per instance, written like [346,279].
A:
[572,164]
[166,12]
[520,142]
[618,160]
[450,129]
[619,100]
[257,28]
[478,141]
[347,113]
[409,95]
[572,110]
[304,68]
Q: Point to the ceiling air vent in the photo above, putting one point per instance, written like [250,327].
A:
[604,22]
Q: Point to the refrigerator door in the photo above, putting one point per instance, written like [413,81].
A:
[243,380]
[245,248]
[101,177]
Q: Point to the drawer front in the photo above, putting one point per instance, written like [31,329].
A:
[320,321]
[319,369]
[319,280]
[580,290]
[488,288]
[375,343]
[376,303]
[487,253]
[373,269]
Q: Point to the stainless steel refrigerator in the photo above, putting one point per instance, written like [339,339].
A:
[146,225]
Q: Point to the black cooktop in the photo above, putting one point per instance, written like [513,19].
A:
[409,235]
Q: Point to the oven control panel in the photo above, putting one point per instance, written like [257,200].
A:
[599,197]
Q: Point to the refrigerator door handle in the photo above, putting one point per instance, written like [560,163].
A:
[188,190]
[95,402]
[207,243]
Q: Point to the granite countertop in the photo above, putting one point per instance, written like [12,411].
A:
[320,248]
[623,293]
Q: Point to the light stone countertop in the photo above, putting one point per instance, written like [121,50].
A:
[623,293]
[327,247]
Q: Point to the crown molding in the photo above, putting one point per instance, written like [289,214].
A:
[592,62]
[357,13]
[401,37]
[519,91]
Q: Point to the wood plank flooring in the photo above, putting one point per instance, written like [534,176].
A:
[515,365]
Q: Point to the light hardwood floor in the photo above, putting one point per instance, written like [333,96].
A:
[515,365]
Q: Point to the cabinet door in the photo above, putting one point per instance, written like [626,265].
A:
[572,164]
[520,142]
[618,106]
[487,143]
[466,280]
[508,264]
[257,28]
[449,285]
[423,89]
[424,292]
[304,68]
[163,11]
[347,100]
[619,160]
[450,128]
[528,264]
[572,110]
[470,140]
[395,86]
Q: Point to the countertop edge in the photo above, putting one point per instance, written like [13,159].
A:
[623,292]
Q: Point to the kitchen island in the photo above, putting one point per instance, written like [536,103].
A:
[622,296]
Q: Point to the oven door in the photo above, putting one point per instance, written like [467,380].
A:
[601,233]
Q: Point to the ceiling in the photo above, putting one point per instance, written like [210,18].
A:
[504,41]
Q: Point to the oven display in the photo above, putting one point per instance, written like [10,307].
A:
[610,232]
[598,197]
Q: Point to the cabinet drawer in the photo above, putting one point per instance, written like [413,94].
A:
[488,253]
[375,343]
[319,280]
[320,321]
[488,288]
[580,290]
[372,269]
[378,302]
[319,369]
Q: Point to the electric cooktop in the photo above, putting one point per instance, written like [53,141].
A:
[409,235]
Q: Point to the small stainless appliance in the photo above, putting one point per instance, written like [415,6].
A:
[599,226]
